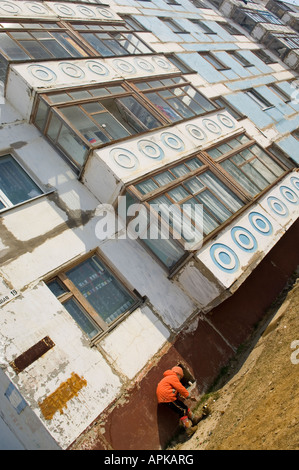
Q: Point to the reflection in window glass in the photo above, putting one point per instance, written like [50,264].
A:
[78,314]
[101,289]
[57,288]
[15,183]
[11,49]
[41,115]
[71,144]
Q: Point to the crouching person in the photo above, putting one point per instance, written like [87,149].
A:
[169,390]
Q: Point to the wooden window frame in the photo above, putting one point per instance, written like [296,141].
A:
[60,27]
[230,154]
[209,164]
[122,29]
[230,108]
[158,89]
[72,292]
[130,90]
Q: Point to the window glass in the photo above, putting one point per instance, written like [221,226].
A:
[166,250]
[101,289]
[136,110]
[59,98]
[80,121]
[72,145]
[111,126]
[11,49]
[80,317]
[54,127]
[15,183]
[251,167]
[35,49]
[41,114]
[239,176]
[224,193]
[275,168]
[57,288]
[147,186]
[164,178]
[162,106]
[72,49]
[98,45]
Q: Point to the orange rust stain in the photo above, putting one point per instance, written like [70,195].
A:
[58,399]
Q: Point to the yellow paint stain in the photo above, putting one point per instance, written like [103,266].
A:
[65,392]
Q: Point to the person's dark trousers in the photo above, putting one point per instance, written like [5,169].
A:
[178,407]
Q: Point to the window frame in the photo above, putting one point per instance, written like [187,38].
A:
[161,88]
[224,104]
[8,205]
[214,61]
[203,28]
[207,166]
[173,25]
[111,29]
[72,292]
[233,152]
[262,102]
[55,109]
[214,166]
[58,28]
[263,56]
[279,92]
[237,56]
[231,29]
[132,23]
[295,134]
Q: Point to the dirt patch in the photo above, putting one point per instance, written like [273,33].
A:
[255,405]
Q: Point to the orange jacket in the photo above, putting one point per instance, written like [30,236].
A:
[169,387]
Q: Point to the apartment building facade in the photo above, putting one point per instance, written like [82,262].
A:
[109,107]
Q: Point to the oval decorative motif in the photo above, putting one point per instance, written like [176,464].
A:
[124,158]
[260,223]
[72,70]
[224,258]
[42,72]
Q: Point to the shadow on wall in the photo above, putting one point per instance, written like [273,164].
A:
[138,423]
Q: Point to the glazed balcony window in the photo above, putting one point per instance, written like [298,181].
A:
[252,168]
[175,98]
[77,120]
[111,40]
[248,19]
[182,187]
[281,43]
[93,295]
[223,180]
[37,41]
[16,186]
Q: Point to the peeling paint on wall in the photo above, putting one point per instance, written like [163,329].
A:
[58,399]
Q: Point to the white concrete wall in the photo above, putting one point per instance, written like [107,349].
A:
[43,235]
